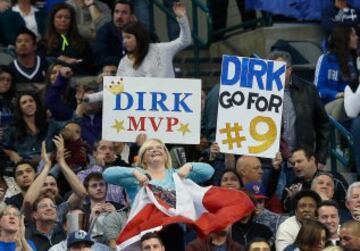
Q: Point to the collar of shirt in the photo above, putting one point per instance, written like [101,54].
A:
[33,9]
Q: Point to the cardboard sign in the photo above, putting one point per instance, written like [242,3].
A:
[168,109]
[250,106]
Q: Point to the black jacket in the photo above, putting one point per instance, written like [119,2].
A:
[43,242]
[312,122]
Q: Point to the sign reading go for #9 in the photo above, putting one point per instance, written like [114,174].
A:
[164,108]
[250,106]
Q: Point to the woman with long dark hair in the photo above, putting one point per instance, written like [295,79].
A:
[62,40]
[336,69]
[145,59]
[23,139]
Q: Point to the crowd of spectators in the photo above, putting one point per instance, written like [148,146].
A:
[62,187]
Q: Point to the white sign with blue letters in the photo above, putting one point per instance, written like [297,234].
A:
[250,106]
[164,108]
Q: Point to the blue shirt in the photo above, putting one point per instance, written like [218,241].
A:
[11,246]
[123,176]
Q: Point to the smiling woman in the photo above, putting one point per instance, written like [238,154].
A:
[23,139]
[154,167]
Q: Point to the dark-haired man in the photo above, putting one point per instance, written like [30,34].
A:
[305,122]
[28,67]
[151,242]
[107,52]
[305,169]
[24,175]
[328,214]
[45,231]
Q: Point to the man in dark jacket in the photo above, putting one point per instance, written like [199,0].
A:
[306,171]
[109,46]
[305,121]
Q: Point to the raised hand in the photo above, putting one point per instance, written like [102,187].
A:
[44,155]
[141,138]
[214,150]
[88,3]
[276,162]
[60,154]
[66,72]
[179,9]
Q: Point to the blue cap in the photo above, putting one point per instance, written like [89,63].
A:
[257,188]
[79,236]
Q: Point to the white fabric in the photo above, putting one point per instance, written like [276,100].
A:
[187,192]
[30,21]
[286,233]
[159,59]
[352,102]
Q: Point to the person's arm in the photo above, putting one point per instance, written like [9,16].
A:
[184,38]
[283,238]
[80,108]
[196,171]
[322,79]
[79,191]
[53,100]
[115,222]
[12,155]
[127,177]
[321,126]
[100,13]
[20,240]
[34,190]
[122,176]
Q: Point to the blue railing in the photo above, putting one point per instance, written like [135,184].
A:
[344,155]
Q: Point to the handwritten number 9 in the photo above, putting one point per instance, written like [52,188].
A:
[268,137]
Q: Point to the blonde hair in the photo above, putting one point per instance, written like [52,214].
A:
[6,208]
[145,146]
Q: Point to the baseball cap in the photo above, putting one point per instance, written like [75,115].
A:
[77,237]
[257,188]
